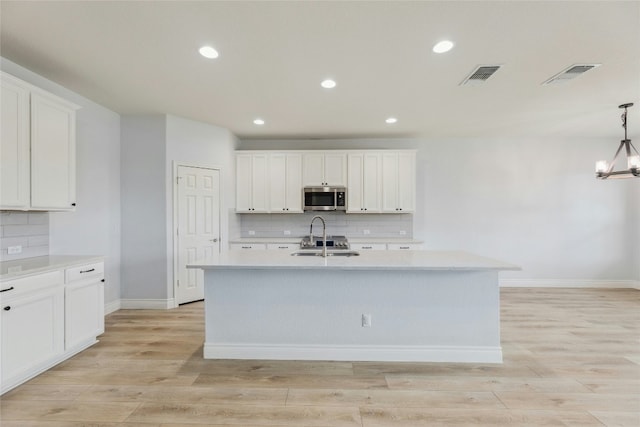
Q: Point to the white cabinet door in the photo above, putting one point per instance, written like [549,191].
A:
[372,179]
[398,182]
[313,169]
[53,153]
[285,183]
[365,183]
[294,183]
[324,169]
[407,182]
[243,183]
[259,183]
[84,305]
[355,183]
[251,183]
[32,333]
[14,145]
[335,169]
[278,183]
[390,182]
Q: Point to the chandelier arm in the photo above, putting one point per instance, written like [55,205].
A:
[634,148]
[613,162]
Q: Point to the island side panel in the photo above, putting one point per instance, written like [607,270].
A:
[315,314]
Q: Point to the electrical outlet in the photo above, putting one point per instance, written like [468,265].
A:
[12,250]
[366,232]
[403,233]
[252,233]
[366,320]
[287,232]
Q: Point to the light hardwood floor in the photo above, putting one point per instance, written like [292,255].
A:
[571,358]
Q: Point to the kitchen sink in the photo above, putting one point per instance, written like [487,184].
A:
[330,253]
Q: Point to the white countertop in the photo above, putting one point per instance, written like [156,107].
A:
[42,264]
[368,260]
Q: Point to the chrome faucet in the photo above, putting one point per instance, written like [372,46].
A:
[324,234]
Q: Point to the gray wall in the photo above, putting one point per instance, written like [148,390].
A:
[144,215]
[94,227]
[150,146]
[532,202]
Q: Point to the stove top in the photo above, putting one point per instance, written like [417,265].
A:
[333,242]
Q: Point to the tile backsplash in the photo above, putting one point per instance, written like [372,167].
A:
[338,223]
[29,230]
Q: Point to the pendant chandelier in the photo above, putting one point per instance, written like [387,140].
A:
[604,169]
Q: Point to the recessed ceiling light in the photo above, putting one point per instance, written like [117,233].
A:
[443,46]
[328,84]
[208,52]
[258,122]
[391,120]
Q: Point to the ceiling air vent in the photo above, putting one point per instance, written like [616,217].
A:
[570,73]
[480,75]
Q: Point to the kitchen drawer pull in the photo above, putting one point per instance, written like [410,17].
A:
[7,308]
[367,247]
[87,271]
[8,289]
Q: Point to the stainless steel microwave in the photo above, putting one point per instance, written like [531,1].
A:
[325,198]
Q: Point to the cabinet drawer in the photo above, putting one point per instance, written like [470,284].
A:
[83,272]
[11,288]
[248,246]
[368,246]
[283,246]
[404,246]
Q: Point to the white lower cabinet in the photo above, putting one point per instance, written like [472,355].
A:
[248,246]
[368,246]
[404,246]
[283,246]
[84,305]
[32,326]
[45,321]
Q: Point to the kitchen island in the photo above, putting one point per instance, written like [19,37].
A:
[430,306]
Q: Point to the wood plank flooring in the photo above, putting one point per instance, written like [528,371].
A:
[571,358]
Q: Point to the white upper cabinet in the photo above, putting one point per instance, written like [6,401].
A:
[377,181]
[14,151]
[53,154]
[251,183]
[285,173]
[324,168]
[38,148]
[365,182]
[398,182]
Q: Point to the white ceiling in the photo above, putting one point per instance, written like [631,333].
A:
[142,57]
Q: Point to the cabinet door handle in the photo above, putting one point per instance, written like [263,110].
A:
[8,289]
[7,308]
[73,204]
[102,280]
[87,271]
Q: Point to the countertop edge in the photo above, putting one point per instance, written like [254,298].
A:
[43,264]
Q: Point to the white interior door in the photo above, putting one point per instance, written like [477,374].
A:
[198,227]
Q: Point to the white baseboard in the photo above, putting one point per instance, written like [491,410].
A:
[147,304]
[569,283]
[111,307]
[354,353]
